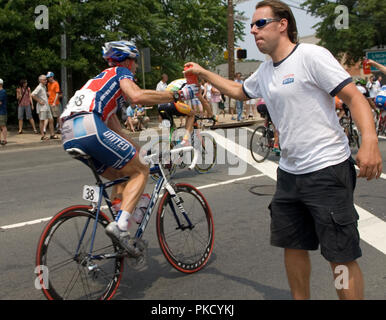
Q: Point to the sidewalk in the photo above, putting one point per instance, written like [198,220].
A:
[28,139]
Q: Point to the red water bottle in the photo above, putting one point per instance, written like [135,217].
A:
[366,66]
[190,78]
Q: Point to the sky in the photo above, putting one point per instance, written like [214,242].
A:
[304,23]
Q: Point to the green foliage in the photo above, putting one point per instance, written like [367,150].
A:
[176,31]
[367,26]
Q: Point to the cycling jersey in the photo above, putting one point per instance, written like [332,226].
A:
[101,95]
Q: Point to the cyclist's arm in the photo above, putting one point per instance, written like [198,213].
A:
[225,86]
[369,158]
[136,95]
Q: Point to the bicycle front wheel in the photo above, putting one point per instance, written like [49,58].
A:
[207,147]
[260,144]
[185,229]
[66,270]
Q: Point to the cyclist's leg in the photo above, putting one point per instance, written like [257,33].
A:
[112,154]
[131,191]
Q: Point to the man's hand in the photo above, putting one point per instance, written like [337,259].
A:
[369,159]
[188,92]
[194,69]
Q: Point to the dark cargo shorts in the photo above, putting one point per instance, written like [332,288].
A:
[317,208]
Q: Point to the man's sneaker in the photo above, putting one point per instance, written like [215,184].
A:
[123,238]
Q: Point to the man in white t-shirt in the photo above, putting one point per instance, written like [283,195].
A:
[43,109]
[163,84]
[313,204]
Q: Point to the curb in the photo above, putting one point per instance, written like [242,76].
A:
[24,145]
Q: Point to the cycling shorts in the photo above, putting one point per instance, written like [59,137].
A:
[174,109]
[87,131]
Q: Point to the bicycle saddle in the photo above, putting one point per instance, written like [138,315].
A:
[77,153]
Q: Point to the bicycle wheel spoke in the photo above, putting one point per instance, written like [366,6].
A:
[71,284]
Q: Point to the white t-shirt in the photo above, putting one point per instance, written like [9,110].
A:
[208,87]
[41,92]
[299,92]
[373,89]
[161,86]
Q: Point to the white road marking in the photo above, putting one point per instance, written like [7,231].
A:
[230,181]
[372,229]
[23,224]
[104,207]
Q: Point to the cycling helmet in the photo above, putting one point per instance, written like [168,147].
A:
[380,99]
[176,85]
[119,51]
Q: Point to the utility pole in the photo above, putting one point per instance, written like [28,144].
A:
[63,68]
[231,41]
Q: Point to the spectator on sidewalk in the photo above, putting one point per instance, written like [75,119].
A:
[3,114]
[215,100]
[143,119]
[131,121]
[43,109]
[221,106]
[239,104]
[378,85]
[53,91]
[372,87]
[161,86]
[25,105]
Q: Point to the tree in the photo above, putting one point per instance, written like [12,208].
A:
[176,31]
[367,26]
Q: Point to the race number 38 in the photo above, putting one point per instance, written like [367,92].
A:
[91,193]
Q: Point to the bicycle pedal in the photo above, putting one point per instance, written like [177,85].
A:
[139,262]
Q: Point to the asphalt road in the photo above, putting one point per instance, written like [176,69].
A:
[37,183]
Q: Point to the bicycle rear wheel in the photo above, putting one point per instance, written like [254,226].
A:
[63,250]
[186,241]
[260,144]
[207,147]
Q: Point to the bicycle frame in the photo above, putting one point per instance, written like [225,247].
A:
[162,182]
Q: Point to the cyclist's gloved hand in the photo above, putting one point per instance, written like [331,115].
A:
[188,92]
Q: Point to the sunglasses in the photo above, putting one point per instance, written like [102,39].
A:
[261,23]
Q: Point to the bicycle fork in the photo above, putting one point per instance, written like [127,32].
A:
[178,202]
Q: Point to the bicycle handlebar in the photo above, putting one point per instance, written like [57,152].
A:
[151,158]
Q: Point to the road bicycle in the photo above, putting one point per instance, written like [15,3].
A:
[349,128]
[263,140]
[200,141]
[76,260]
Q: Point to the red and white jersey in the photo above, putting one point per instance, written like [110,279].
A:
[101,95]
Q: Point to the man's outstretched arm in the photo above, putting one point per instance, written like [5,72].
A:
[227,87]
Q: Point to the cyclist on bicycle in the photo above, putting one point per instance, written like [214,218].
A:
[181,109]
[263,111]
[90,123]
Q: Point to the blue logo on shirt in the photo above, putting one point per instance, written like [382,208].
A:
[288,80]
